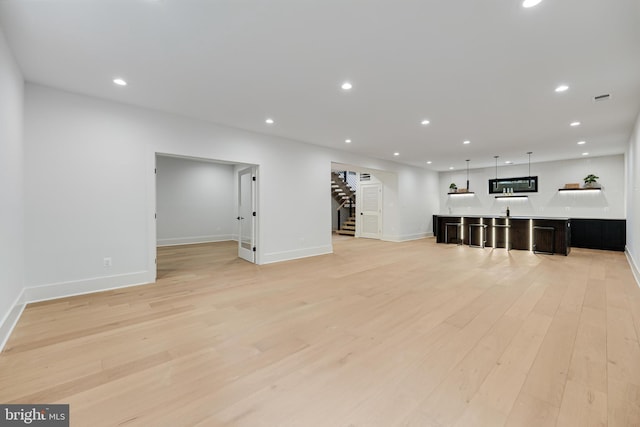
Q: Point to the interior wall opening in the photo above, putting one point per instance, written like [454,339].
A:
[198,202]
[358,205]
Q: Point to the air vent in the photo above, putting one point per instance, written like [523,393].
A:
[365,177]
[600,98]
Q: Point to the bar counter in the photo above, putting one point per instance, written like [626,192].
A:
[537,234]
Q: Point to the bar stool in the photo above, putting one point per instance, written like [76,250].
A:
[483,235]
[458,228]
[553,239]
[506,228]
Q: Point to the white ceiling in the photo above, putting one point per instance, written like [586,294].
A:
[478,70]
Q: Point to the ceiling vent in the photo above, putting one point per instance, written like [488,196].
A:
[600,98]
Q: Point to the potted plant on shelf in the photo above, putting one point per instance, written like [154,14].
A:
[453,187]
[591,181]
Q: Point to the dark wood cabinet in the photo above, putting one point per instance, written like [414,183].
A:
[607,234]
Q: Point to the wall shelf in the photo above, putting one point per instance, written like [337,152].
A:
[579,189]
[462,194]
[513,197]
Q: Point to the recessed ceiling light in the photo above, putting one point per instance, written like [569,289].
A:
[120,82]
[530,3]
[346,86]
[562,88]
[269,121]
[425,122]
[585,154]
[466,142]
[348,141]
[574,124]
[508,162]
[396,154]
[582,142]
[450,168]
[429,162]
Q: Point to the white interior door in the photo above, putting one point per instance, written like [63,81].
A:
[246,214]
[371,210]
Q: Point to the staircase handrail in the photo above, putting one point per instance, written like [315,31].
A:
[343,203]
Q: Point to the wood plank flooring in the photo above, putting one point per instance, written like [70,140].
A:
[376,334]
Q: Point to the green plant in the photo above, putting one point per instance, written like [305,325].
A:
[590,179]
[453,186]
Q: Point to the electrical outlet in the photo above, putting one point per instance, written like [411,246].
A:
[107,262]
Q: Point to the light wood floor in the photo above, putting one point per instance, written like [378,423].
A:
[377,334]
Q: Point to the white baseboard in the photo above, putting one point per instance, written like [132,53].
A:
[81,287]
[634,267]
[295,254]
[67,289]
[405,237]
[10,320]
[175,241]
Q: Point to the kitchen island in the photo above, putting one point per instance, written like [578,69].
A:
[537,234]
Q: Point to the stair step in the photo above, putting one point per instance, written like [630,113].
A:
[346,232]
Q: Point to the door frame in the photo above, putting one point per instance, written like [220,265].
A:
[247,254]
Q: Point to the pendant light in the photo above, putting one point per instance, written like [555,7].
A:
[495,183]
[468,160]
[529,153]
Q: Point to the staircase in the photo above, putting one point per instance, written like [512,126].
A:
[346,198]
[348,227]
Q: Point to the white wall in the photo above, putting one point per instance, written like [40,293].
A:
[195,201]
[11,190]
[633,200]
[90,189]
[87,196]
[418,194]
[548,201]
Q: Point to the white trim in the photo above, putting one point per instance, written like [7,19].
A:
[296,254]
[81,287]
[176,241]
[10,320]
[634,267]
[67,289]
[406,237]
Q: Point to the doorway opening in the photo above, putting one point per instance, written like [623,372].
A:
[370,190]
[202,202]
[344,186]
